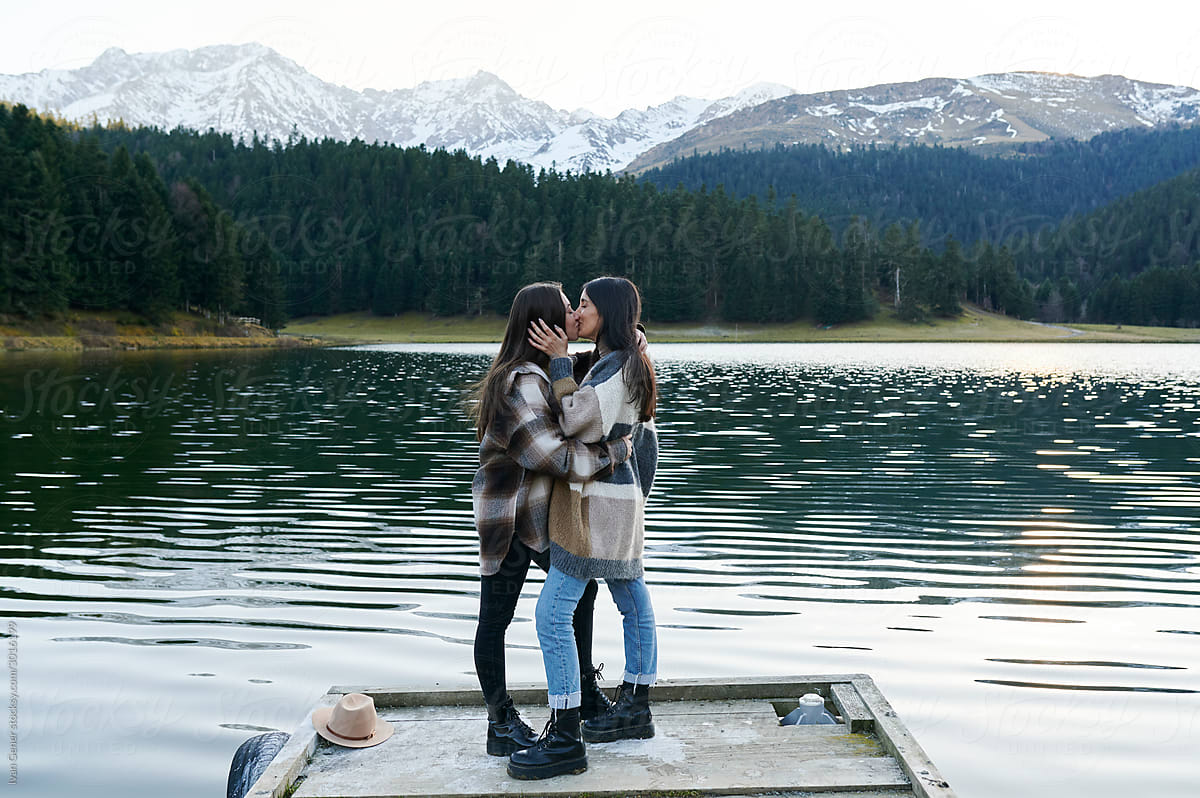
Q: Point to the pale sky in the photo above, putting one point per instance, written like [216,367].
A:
[615,54]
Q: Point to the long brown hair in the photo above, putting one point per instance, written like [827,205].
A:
[620,307]
[536,301]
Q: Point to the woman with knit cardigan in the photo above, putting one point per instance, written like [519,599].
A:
[597,528]
[522,451]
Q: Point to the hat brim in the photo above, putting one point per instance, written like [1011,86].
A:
[320,722]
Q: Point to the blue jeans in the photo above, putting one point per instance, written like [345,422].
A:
[498,596]
[556,608]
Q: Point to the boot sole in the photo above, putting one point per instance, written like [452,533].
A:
[630,733]
[526,773]
[505,747]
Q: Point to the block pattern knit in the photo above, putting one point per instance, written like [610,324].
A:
[597,528]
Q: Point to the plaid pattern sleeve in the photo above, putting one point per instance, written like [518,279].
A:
[536,441]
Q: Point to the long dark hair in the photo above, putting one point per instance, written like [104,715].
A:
[620,307]
[536,301]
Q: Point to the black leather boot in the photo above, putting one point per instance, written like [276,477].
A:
[629,718]
[506,731]
[595,702]
[559,750]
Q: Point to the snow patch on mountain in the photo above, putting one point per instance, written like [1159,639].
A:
[748,97]
[832,109]
[1039,83]
[928,103]
[1165,103]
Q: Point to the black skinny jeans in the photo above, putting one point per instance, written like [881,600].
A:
[498,596]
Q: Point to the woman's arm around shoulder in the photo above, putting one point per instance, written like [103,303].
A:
[538,443]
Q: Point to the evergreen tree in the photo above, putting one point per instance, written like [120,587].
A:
[858,271]
[211,268]
[946,284]
[34,277]
[153,279]
[914,271]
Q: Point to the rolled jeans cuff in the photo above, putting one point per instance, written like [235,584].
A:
[569,701]
[640,678]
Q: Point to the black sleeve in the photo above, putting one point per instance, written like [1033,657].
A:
[583,363]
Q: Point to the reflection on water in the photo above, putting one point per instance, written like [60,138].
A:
[1005,537]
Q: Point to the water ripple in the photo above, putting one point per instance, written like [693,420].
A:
[815,506]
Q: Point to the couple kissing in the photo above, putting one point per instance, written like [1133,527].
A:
[567,455]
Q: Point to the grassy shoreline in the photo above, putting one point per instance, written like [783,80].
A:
[974,324]
[79,331]
[103,330]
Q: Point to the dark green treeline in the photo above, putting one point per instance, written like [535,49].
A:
[1134,261]
[318,227]
[1106,230]
[987,194]
[389,229]
[82,227]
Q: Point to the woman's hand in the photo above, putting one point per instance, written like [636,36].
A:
[551,341]
[626,449]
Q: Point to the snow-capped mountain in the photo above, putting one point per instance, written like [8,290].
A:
[238,89]
[248,89]
[988,109]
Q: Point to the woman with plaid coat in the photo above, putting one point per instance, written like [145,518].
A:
[522,451]
[596,529]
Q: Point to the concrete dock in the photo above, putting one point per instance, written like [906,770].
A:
[713,737]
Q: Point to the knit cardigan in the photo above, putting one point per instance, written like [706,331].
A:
[522,452]
[597,528]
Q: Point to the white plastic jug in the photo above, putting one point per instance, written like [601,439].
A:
[810,712]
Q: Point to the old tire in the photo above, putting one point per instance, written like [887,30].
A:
[251,760]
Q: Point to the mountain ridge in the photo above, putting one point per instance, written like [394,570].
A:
[1000,108]
[251,89]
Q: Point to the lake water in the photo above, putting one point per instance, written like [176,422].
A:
[1005,537]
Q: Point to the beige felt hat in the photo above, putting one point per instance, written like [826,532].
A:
[352,722]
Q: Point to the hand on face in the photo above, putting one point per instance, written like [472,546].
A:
[552,341]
